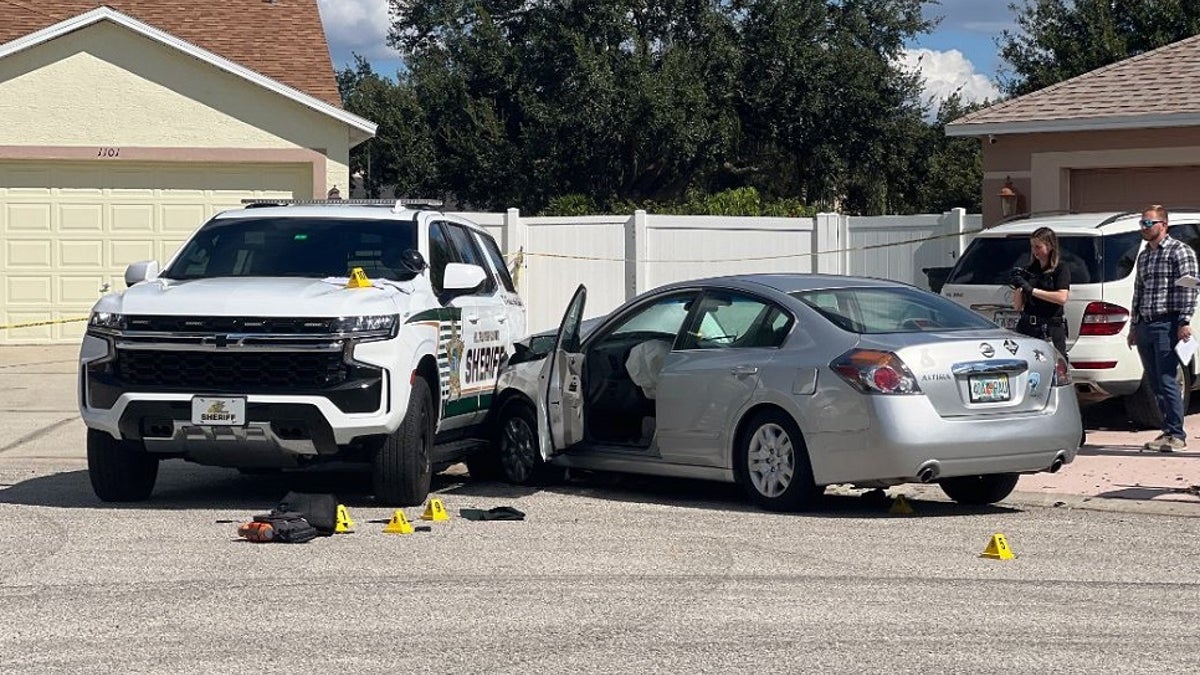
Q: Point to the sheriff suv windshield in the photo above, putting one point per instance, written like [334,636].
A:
[296,247]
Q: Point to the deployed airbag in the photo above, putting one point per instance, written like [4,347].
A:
[644,363]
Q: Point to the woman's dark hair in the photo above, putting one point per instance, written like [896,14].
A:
[1047,237]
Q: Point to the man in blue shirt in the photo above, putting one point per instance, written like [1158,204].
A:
[1162,314]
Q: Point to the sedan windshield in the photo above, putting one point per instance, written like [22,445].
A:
[891,310]
[296,247]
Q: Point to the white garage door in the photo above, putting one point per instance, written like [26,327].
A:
[69,228]
[1133,189]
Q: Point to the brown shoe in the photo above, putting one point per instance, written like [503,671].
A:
[1156,443]
[1172,444]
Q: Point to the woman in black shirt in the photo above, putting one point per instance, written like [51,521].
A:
[1042,290]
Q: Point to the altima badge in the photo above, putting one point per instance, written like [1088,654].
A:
[1039,355]
[1011,347]
[987,350]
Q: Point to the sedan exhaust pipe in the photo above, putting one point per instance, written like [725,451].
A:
[1057,464]
[928,473]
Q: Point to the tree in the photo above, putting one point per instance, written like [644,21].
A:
[1059,39]
[634,100]
[402,153]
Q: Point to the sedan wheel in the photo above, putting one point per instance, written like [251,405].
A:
[520,454]
[772,464]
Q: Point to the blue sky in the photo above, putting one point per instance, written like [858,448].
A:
[959,54]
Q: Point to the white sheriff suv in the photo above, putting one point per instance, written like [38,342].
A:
[288,333]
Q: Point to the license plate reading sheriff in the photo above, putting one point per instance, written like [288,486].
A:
[1007,319]
[988,388]
[223,411]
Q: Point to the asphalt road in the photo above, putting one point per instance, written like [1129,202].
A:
[605,575]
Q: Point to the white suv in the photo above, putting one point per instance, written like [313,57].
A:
[1100,250]
[288,334]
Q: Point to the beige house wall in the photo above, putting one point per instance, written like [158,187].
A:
[1040,164]
[107,87]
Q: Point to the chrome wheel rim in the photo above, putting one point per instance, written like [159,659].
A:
[518,449]
[771,460]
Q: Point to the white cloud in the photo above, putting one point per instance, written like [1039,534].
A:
[947,72]
[358,26]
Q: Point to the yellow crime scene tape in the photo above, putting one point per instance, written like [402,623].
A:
[34,324]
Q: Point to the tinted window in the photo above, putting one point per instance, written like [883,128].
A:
[730,320]
[468,252]
[295,247]
[440,254]
[891,310]
[492,250]
[989,260]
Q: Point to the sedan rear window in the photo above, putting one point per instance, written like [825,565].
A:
[989,260]
[876,310]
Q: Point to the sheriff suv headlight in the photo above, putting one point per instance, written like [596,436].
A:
[107,321]
[378,325]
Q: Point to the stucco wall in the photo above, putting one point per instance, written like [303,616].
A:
[1039,164]
[107,86]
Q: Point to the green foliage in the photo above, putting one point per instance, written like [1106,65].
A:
[1058,39]
[728,107]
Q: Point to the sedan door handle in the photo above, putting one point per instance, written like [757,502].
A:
[744,371]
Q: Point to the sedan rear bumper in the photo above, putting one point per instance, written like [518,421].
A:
[907,441]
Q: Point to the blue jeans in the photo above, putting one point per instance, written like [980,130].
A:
[1156,346]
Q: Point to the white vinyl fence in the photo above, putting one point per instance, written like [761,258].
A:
[617,257]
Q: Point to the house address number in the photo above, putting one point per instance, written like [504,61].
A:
[108,152]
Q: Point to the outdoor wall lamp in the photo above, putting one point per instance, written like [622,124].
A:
[1009,198]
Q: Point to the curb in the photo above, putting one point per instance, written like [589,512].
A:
[1053,500]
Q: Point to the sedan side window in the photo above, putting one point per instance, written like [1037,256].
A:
[732,320]
[659,320]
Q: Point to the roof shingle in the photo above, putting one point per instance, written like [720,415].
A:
[1157,83]
[282,39]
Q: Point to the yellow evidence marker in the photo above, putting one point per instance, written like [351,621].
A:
[358,279]
[997,549]
[435,510]
[398,524]
[344,523]
[900,507]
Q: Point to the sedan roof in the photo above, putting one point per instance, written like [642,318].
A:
[790,282]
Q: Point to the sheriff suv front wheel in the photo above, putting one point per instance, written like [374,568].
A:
[402,468]
[120,471]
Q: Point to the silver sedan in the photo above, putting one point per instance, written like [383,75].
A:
[787,383]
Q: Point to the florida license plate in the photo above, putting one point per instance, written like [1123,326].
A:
[223,411]
[1007,319]
[988,388]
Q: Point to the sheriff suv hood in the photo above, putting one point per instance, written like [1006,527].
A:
[274,296]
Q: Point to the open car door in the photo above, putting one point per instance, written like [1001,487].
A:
[562,392]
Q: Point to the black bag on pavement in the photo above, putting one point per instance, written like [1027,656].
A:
[289,527]
[319,509]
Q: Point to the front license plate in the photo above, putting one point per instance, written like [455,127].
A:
[1007,319]
[988,388]
[223,411]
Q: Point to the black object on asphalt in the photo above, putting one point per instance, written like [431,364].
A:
[497,513]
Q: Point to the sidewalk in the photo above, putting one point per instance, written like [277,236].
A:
[39,419]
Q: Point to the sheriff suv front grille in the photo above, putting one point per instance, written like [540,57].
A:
[275,325]
[237,371]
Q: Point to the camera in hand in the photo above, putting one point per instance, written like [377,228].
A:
[1017,275]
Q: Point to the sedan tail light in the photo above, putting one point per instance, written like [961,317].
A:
[1102,318]
[875,372]
[1062,374]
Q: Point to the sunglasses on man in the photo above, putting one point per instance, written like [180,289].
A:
[1148,223]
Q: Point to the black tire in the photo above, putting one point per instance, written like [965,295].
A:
[120,471]
[518,450]
[402,466]
[782,480]
[979,490]
[1142,406]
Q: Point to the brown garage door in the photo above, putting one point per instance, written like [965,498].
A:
[1133,188]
